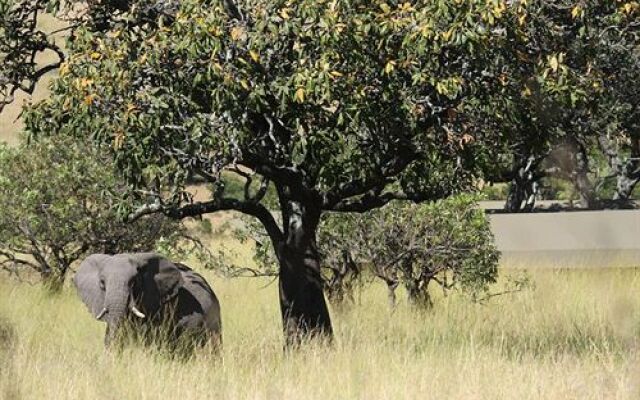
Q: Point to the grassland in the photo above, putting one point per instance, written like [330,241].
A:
[575,336]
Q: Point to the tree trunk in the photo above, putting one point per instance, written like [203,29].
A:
[53,278]
[418,294]
[624,187]
[302,303]
[53,282]
[341,285]
[523,187]
[627,171]
[391,293]
[581,181]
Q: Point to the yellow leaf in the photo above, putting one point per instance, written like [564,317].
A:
[88,100]
[526,92]
[499,8]
[284,13]
[237,32]
[244,84]
[426,31]
[576,11]
[118,140]
[254,55]
[385,8]
[142,59]
[95,55]
[631,7]
[406,7]
[447,35]
[130,108]
[389,67]
[64,68]
[300,95]
[522,19]
[553,63]
[336,74]
[84,82]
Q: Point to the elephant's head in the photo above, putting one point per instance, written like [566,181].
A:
[114,287]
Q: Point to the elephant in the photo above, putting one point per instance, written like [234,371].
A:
[149,291]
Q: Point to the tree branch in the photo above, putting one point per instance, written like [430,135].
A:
[224,204]
[359,187]
[373,200]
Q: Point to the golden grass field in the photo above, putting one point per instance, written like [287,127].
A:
[575,336]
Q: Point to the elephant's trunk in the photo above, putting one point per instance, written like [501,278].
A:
[116,302]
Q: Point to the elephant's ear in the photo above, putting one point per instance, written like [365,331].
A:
[168,278]
[87,282]
[161,279]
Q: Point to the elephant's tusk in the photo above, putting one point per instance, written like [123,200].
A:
[137,312]
[102,313]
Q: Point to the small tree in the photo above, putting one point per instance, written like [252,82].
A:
[57,198]
[447,242]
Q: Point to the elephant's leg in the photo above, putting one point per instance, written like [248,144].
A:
[216,342]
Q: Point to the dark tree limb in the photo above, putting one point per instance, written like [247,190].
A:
[225,204]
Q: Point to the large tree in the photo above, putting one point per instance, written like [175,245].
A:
[339,105]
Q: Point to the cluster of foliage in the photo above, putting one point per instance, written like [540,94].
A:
[448,242]
[566,103]
[58,199]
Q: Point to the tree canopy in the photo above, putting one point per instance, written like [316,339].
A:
[58,199]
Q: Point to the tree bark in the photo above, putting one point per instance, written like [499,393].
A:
[418,294]
[523,187]
[302,303]
[624,187]
[581,181]
[340,287]
[627,173]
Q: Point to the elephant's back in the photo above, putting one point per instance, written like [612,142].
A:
[198,287]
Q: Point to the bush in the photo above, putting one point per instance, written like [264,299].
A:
[57,198]
[447,242]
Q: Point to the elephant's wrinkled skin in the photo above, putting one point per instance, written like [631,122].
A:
[150,291]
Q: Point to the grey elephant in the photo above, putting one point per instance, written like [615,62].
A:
[149,291]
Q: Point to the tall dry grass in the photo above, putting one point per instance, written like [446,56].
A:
[574,337]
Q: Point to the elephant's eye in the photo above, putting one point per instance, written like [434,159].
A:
[101,283]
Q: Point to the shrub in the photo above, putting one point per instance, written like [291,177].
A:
[57,198]
[448,242]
